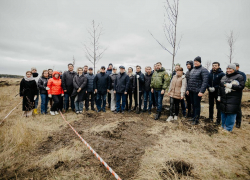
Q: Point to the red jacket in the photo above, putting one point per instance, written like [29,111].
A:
[55,85]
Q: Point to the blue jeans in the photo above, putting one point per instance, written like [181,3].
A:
[227,121]
[36,101]
[196,101]
[120,96]
[148,96]
[66,101]
[158,99]
[101,101]
[44,103]
[79,106]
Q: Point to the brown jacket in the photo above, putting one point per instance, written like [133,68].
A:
[178,87]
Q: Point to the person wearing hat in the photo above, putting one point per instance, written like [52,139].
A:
[101,86]
[189,65]
[196,88]
[130,89]
[90,90]
[121,86]
[36,78]
[230,95]
[239,113]
[111,92]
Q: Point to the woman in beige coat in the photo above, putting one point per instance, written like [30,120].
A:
[176,92]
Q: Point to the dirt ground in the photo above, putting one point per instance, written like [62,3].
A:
[134,146]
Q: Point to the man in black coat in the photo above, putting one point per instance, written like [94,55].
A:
[121,87]
[215,76]
[147,90]
[67,85]
[196,87]
[101,86]
[112,89]
[189,65]
[90,90]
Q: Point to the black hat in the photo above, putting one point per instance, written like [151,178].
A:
[121,67]
[198,58]
[90,68]
[110,64]
[103,67]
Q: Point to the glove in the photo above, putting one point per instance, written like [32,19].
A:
[227,90]
[229,85]
[50,96]
[218,99]
[137,76]
[35,97]
[62,95]
[211,89]
[47,88]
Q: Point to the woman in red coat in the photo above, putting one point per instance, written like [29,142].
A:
[55,92]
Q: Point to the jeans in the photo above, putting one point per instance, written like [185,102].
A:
[140,100]
[158,99]
[113,100]
[78,105]
[44,103]
[148,96]
[101,101]
[213,96]
[174,106]
[130,98]
[183,107]
[120,96]
[196,101]
[37,99]
[228,121]
[66,101]
[92,100]
[57,101]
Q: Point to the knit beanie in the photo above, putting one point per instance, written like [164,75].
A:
[232,66]
[198,58]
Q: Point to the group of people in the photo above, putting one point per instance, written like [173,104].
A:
[120,89]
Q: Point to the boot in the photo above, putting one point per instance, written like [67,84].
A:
[196,121]
[238,124]
[218,122]
[35,111]
[158,115]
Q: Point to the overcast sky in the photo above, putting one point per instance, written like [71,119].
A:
[49,33]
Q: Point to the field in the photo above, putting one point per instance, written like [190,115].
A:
[135,146]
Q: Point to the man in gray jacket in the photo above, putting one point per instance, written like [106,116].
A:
[113,96]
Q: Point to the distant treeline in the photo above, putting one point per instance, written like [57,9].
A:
[10,76]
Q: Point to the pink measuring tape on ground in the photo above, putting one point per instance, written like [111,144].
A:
[93,151]
[10,113]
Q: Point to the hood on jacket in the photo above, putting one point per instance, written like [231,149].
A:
[162,69]
[191,63]
[56,72]
[217,72]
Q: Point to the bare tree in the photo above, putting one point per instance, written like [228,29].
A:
[170,28]
[208,64]
[93,50]
[74,61]
[231,39]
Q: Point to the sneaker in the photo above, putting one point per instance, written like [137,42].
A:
[56,112]
[170,118]
[77,112]
[122,112]
[175,117]
[116,112]
[80,112]
[52,113]
[93,109]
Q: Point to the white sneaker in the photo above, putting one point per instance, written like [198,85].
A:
[77,112]
[56,112]
[170,118]
[52,113]
[175,117]
[80,112]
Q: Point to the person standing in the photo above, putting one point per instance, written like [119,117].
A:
[55,91]
[153,96]
[28,91]
[42,85]
[50,73]
[147,91]
[111,92]
[36,77]
[189,65]
[80,84]
[109,71]
[121,86]
[230,95]
[176,92]
[130,89]
[196,88]
[85,70]
[214,79]
[239,113]
[67,85]
[158,86]
[90,90]
[101,86]
[139,76]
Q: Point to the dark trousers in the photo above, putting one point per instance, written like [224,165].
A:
[189,105]
[140,99]
[130,98]
[213,96]
[57,100]
[101,101]
[153,99]
[120,96]
[196,101]
[92,100]
[183,107]
[148,98]
[109,99]
[158,99]
[174,106]
[239,115]
[66,101]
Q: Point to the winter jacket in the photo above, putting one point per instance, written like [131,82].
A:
[189,70]
[36,77]
[67,81]
[42,84]
[244,75]
[231,101]
[109,71]
[178,87]
[158,80]
[80,82]
[214,78]
[112,80]
[141,82]
[55,85]
[131,81]
[121,84]
[102,83]
[147,82]
[90,82]
[198,79]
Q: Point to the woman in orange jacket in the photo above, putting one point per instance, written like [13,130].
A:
[55,92]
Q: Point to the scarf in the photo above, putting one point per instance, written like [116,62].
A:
[28,79]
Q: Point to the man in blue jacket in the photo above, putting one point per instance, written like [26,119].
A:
[196,87]
[90,90]
[121,87]
[215,76]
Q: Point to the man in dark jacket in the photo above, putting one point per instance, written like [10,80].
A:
[189,65]
[90,90]
[85,69]
[109,71]
[121,86]
[196,88]
[139,76]
[67,85]
[111,92]
[130,89]
[147,90]
[215,76]
[101,86]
